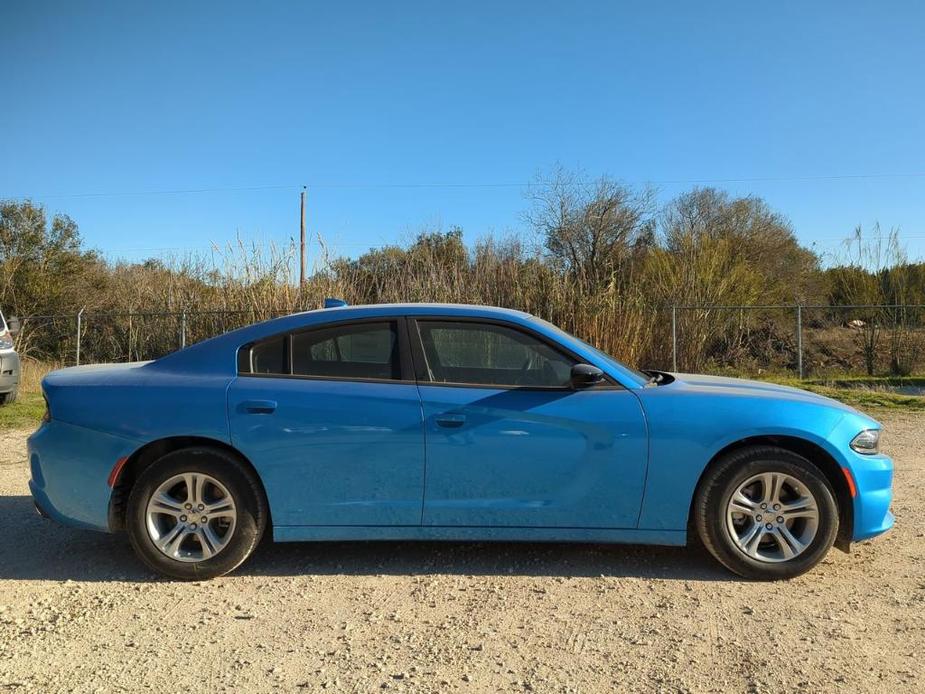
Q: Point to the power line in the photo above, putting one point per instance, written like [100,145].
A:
[177,191]
[852,239]
[464,185]
[219,248]
[374,244]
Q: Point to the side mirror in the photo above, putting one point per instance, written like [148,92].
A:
[12,324]
[584,375]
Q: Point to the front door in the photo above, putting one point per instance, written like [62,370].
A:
[331,419]
[511,444]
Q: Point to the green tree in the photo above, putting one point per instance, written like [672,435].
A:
[43,269]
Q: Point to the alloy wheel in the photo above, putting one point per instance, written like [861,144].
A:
[191,517]
[772,517]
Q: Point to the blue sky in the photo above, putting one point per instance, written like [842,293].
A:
[816,107]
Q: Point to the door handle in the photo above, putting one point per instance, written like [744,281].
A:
[451,421]
[258,406]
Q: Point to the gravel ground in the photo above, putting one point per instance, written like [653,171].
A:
[78,613]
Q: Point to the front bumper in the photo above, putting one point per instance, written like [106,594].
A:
[9,370]
[873,478]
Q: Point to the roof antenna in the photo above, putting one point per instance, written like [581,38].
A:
[330,302]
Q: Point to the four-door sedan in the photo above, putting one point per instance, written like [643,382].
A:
[443,422]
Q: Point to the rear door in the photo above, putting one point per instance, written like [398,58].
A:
[331,419]
[511,444]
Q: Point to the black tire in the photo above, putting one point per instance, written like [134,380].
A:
[244,488]
[717,488]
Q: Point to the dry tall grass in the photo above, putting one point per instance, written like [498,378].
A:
[605,266]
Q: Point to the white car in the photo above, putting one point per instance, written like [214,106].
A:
[9,361]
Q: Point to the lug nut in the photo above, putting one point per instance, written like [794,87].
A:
[780,519]
[187,506]
[193,526]
[182,519]
[758,517]
[769,526]
[203,520]
[201,507]
[777,507]
[764,505]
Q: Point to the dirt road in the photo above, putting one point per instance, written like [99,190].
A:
[78,613]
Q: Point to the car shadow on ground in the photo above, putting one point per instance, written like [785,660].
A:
[33,548]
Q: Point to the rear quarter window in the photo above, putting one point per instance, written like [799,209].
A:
[269,357]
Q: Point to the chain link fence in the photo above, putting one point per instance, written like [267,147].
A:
[802,340]
[86,338]
[799,340]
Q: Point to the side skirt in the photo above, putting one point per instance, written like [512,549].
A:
[314,533]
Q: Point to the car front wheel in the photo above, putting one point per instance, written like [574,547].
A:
[195,513]
[766,513]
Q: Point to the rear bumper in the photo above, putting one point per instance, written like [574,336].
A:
[70,467]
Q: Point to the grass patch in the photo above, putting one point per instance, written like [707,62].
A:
[25,413]
[865,399]
[862,392]
[868,381]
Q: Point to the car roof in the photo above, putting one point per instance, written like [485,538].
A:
[206,354]
[412,308]
[218,355]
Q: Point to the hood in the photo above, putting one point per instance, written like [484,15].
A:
[741,386]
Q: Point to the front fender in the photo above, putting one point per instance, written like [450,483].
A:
[688,430]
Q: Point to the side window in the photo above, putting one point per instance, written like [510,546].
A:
[491,355]
[361,350]
[269,357]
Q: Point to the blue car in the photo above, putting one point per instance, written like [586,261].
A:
[447,422]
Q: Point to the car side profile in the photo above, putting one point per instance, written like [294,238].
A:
[447,422]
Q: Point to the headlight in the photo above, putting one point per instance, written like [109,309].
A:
[6,340]
[867,442]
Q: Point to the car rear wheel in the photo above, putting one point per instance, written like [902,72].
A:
[766,513]
[195,513]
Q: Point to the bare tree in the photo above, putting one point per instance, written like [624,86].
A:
[594,228]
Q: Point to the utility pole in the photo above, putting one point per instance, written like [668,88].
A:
[674,339]
[302,245]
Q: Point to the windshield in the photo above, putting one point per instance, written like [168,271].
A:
[635,374]
[641,375]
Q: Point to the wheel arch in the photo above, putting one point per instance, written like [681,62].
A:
[815,454]
[153,451]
